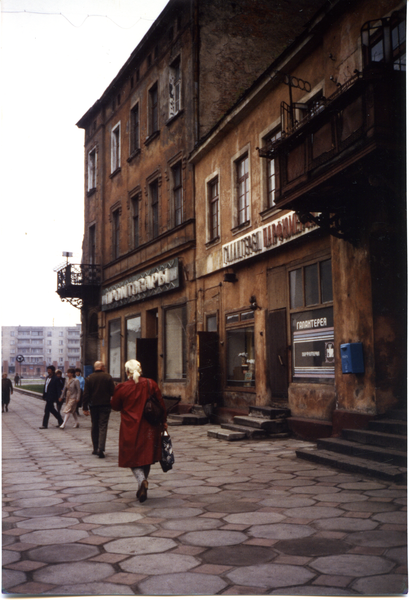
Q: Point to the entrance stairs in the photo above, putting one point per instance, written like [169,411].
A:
[379,451]
[197,416]
[262,422]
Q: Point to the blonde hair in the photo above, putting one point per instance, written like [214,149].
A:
[133,370]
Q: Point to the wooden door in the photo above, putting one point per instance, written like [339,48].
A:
[208,367]
[147,355]
[277,354]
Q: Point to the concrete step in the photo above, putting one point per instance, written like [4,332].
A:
[252,433]
[354,464]
[187,419]
[389,426]
[227,436]
[269,412]
[376,438]
[399,414]
[385,456]
[270,425]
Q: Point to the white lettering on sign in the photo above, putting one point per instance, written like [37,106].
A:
[312,323]
[142,284]
[311,353]
[264,238]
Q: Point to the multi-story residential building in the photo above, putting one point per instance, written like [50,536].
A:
[40,346]
[137,283]
[300,226]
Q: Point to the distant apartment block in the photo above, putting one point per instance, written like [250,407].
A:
[40,346]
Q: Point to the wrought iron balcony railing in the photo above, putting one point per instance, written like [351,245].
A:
[79,283]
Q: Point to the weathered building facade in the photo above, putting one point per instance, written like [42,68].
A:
[136,285]
[300,226]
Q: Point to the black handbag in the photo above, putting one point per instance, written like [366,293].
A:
[153,410]
[168,458]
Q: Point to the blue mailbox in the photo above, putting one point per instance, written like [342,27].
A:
[352,358]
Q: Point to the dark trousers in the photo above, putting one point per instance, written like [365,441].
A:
[99,426]
[50,408]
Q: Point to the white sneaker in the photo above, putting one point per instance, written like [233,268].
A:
[62,426]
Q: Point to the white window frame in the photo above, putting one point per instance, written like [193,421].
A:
[175,87]
[116,147]
[92,169]
[208,181]
[134,145]
[234,186]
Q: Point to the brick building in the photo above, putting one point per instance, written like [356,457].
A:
[136,285]
[40,346]
[300,226]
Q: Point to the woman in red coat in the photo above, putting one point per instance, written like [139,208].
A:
[139,442]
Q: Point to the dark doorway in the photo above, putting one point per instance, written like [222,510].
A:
[208,367]
[277,355]
[147,355]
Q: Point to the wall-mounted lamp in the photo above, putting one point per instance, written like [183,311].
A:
[230,277]
[253,303]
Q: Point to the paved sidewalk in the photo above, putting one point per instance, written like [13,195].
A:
[231,518]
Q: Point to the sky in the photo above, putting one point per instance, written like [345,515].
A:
[56,59]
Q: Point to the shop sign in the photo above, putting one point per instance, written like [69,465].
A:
[275,234]
[152,282]
[313,344]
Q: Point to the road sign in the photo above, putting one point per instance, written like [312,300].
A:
[20,358]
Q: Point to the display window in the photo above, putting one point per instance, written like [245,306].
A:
[312,321]
[175,343]
[114,349]
[240,355]
[133,332]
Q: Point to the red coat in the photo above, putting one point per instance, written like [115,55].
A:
[139,442]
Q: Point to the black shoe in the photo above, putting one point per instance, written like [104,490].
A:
[95,452]
[42,427]
[142,493]
[7,409]
[101,454]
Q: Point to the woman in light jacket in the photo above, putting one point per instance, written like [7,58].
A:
[71,393]
[139,442]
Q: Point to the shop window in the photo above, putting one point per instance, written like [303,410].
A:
[116,148]
[175,343]
[272,170]
[384,41]
[134,133]
[240,355]
[153,109]
[312,324]
[114,348]
[177,194]
[214,209]
[133,332]
[243,190]
[92,169]
[175,86]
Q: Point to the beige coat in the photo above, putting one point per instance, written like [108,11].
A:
[71,393]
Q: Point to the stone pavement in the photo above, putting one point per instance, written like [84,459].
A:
[231,518]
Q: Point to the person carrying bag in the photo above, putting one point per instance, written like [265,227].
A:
[140,441]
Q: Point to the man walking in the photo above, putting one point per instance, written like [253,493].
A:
[6,391]
[51,394]
[98,389]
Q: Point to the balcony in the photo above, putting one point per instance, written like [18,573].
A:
[79,284]
[345,143]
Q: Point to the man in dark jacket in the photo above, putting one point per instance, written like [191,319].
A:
[98,389]
[51,394]
[6,391]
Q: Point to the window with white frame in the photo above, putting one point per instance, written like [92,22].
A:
[243,190]
[214,207]
[115,147]
[177,194]
[175,87]
[272,171]
[134,133]
[92,169]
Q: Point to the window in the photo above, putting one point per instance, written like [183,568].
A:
[92,245]
[153,109]
[12,333]
[175,343]
[61,333]
[312,324]
[134,135]
[177,194]
[133,332]
[114,348]
[213,196]
[49,342]
[115,234]
[12,342]
[384,41]
[48,350]
[92,169]
[243,190]
[175,85]
[154,197]
[135,221]
[49,333]
[211,323]
[240,349]
[61,343]
[116,148]
[61,351]
[272,174]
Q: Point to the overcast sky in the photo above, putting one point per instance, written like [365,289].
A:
[57,58]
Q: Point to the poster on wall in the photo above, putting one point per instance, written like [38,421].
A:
[312,335]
